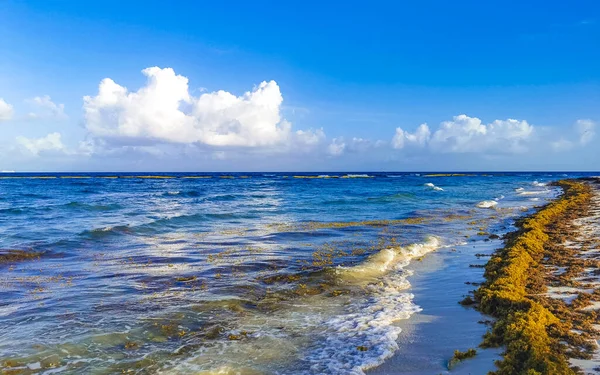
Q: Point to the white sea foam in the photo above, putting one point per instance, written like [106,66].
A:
[382,261]
[519,189]
[535,192]
[539,184]
[369,322]
[437,188]
[487,204]
[326,334]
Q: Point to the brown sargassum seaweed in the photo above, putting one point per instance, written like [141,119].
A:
[539,333]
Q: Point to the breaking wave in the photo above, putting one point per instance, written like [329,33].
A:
[432,186]
[487,204]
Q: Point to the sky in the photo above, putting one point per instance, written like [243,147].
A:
[299,86]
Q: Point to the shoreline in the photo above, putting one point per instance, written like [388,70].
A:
[568,281]
[541,331]
[430,337]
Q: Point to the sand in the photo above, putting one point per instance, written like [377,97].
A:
[429,338]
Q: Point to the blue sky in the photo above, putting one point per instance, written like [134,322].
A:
[499,85]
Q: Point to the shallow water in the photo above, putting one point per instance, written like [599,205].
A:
[238,273]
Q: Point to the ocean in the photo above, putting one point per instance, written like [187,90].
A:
[241,273]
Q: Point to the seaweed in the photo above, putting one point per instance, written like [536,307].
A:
[468,301]
[10,256]
[461,356]
[536,340]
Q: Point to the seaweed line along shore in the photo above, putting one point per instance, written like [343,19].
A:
[543,288]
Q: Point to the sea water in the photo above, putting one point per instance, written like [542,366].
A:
[278,273]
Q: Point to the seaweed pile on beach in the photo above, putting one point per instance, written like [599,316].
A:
[542,333]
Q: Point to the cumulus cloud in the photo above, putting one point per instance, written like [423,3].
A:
[52,143]
[469,134]
[165,111]
[46,108]
[585,130]
[6,110]
[420,137]
[466,134]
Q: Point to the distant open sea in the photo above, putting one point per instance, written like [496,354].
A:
[240,273]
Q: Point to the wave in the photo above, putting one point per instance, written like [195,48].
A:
[432,186]
[487,204]
[382,261]
[357,176]
[539,184]
[537,192]
[367,324]
[107,231]
[190,193]
[345,333]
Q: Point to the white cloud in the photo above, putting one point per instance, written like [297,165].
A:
[336,147]
[398,139]
[585,130]
[51,143]
[310,137]
[6,110]
[164,111]
[420,137]
[46,108]
[468,134]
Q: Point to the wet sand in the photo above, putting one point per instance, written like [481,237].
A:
[543,288]
[430,337]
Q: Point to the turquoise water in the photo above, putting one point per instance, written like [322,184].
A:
[239,273]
